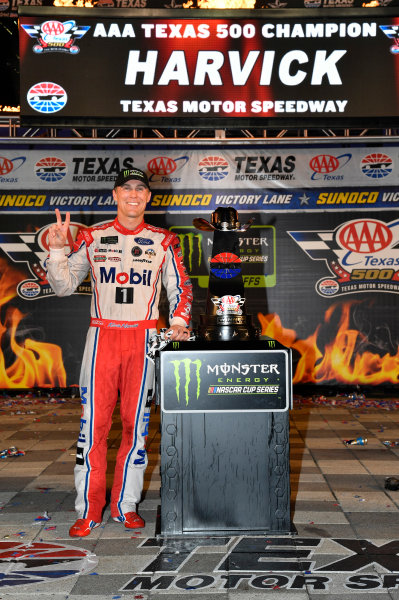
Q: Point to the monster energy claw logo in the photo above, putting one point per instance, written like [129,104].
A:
[186,362]
[191,238]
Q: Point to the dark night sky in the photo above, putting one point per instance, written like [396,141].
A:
[9,63]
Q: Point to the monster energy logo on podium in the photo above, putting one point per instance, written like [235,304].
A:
[186,362]
[216,379]
[225,317]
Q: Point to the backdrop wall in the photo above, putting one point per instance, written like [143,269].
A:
[320,262]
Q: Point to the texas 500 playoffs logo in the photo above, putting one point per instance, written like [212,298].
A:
[362,255]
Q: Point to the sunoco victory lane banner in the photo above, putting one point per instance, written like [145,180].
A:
[231,67]
[320,263]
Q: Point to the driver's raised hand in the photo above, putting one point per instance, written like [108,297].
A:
[57,235]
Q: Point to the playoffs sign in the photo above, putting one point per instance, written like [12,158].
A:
[170,70]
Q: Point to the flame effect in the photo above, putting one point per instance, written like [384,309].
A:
[36,364]
[79,3]
[221,4]
[340,361]
[161,323]
[9,109]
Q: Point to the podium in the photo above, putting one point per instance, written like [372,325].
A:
[225,437]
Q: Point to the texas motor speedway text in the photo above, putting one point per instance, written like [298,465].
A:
[258,107]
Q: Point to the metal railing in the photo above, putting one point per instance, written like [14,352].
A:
[10,127]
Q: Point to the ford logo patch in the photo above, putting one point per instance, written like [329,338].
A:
[143,241]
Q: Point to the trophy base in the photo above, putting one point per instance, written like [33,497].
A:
[227,328]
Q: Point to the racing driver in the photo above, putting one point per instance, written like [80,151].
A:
[129,261]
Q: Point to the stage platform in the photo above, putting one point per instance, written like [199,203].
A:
[347,524]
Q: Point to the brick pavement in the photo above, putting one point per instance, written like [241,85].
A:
[347,541]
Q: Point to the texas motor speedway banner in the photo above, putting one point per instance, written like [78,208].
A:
[186,178]
[320,262]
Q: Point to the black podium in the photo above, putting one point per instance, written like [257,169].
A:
[225,437]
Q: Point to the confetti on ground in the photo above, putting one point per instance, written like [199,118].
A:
[11,452]
[43,517]
[351,400]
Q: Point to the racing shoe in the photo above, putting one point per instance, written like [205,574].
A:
[82,527]
[131,520]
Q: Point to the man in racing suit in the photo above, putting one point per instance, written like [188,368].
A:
[128,261]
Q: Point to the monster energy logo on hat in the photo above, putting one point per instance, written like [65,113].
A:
[128,174]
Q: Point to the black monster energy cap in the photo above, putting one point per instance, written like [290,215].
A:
[127,174]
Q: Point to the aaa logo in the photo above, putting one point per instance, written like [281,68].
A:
[365,236]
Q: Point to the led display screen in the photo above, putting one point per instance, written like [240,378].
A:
[208,68]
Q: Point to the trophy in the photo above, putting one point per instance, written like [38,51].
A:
[225,317]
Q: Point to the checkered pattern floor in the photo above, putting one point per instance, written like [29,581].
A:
[347,523]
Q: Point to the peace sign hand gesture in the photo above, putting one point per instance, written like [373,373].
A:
[58,232]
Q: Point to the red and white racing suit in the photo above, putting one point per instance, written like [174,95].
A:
[127,270]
